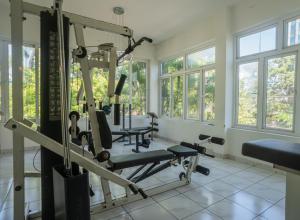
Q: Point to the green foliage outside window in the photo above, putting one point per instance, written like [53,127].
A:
[193,95]
[172,65]
[139,88]
[248,85]
[165,96]
[209,95]
[281,92]
[177,98]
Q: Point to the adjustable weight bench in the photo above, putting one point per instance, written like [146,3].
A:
[285,156]
[170,156]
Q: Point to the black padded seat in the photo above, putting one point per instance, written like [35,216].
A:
[278,152]
[181,151]
[131,160]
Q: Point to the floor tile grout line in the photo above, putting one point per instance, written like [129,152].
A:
[6,194]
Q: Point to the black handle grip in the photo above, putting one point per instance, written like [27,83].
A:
[133,189]
[186,144]
[120,84]
[143,194]
[203,170]
[216,140]
[203,137]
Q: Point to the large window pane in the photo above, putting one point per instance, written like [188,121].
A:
[29,86]
[293,37]
[247,96]
[165,96]
[172,65]
[281,92]
[75,82]
[201,58]
[139,75]
[177,98]
[209,95]
[100,85]
[193,95]
[258,42]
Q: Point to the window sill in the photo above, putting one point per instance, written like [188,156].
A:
[266,131]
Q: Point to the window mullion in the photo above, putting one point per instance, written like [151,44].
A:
[261,99]
[201,84]
[37,78]
[5,81]
[171,98]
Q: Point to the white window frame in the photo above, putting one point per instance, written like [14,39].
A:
[265,85]
[281,50]
[285,37]
[254,31]
[185,72]
[5,94]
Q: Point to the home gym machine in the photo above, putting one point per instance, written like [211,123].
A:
[102,164]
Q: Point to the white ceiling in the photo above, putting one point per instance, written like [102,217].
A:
[158,19]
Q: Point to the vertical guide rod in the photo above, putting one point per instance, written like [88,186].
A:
[16,8]
[63,87]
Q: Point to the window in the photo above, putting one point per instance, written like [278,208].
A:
[177,98]
[166,95]
[193,95]
[134,93]
[293,32]
[209,95]
[201,58]
[266,83]
[139,77]
[190,93]
[281,92]
[30,90]
[75,83]
[171,66]
[100,85]
[258,42]
[247,93]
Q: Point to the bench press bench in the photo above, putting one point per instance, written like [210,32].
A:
[152,158]
[285,156]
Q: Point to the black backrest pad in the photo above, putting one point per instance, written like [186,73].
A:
[105,133]
[131,160]
[278,152]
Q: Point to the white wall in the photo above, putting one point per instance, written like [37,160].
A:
[220,28]
[92,37]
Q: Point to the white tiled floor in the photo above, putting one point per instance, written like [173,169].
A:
[232,191]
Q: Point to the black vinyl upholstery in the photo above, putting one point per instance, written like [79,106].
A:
[131,160]
[278,152]
[181,151]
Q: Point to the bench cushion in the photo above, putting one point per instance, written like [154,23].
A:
[278,152]
[131,160]
[181,151]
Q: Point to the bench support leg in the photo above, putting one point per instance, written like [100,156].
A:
[292,211]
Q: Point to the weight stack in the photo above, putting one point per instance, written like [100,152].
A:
[71,195]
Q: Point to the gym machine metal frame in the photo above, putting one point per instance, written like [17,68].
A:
[20,130]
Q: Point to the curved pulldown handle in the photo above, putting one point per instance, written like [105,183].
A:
[131,48]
